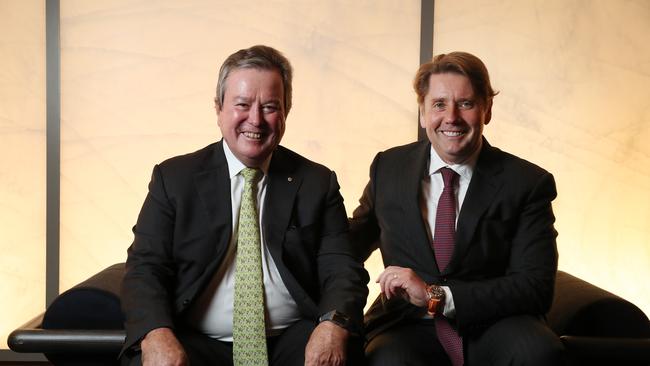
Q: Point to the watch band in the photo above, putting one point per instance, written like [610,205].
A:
[337,318]
[436,298]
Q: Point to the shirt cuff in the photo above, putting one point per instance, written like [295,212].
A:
[449,310]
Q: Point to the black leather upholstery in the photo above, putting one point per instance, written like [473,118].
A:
[596,326]
[83,326]
[92,304]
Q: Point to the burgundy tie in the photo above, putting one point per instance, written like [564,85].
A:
[443,247]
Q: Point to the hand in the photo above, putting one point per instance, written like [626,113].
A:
[399,281]
[161,348]
[327,345]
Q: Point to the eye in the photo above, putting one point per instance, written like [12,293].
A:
[439,105]
[242,105]
[466,104]
[269,108]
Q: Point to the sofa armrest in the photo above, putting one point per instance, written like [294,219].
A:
[599,349]
[92,304]
[582,309]
[32,338]
[83,325]
[598,328]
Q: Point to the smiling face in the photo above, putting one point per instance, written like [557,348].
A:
[251,118]
[453,117]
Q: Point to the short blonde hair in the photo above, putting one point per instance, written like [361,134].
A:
[462,63]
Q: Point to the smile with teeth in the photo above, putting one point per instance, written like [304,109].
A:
[453,133]
[252,135]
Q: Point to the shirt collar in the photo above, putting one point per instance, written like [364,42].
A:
[465,169]
[235,166]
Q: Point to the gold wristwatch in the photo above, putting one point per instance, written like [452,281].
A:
[436,299]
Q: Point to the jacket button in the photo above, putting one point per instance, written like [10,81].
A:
[186,302]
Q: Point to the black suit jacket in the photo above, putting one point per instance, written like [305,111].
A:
[505,256]
[185,225]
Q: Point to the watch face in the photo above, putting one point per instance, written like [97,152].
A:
[437,292]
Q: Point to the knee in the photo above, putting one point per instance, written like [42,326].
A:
[388,350]
[380,351]
[524,341]
[536,350]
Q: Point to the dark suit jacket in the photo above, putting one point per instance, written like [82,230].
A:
[185,225]
[505,256]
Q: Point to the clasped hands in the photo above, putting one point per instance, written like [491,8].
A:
[404,282]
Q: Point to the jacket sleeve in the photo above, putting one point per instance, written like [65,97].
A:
[364,229]
[343,280]
[146,298]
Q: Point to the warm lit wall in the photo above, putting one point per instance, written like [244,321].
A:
[138,82]
[574,78]
[138,79]
[22,162]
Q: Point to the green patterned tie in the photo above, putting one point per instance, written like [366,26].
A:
[248,328]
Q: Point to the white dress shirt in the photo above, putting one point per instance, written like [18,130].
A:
[432,186]
[213,310]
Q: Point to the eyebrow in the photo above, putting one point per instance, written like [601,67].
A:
[460,99]
[241,98]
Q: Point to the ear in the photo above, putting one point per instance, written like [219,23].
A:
[421,116]
[488,112]
[216,105]
[218,111]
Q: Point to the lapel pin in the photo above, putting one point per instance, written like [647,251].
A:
[289,179]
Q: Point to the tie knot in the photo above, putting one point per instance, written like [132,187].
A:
[251,175]
[449,177]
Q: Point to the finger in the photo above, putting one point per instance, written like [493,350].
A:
[392,284]
[396,288]
[389,270]
[383,278]
[385,284]
[384,273]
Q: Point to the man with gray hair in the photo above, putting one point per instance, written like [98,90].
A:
[241,252]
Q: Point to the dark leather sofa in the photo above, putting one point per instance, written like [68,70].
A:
[83,326]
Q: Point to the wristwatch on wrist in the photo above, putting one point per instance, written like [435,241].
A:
[436,299]
[337,318]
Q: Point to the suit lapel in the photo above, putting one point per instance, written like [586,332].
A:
[213,187]
[482,189]
[410,190]
[282,187]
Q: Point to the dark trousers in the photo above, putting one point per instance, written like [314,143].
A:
[286,349]
[518,340]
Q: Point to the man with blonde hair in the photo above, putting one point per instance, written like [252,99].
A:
[466,235]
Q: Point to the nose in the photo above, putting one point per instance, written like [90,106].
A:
[451,114]
[255,115]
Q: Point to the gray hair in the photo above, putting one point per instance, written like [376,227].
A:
[257,57]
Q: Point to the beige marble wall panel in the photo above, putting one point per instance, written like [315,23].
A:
[22,162]
[574,78]
[138,81]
